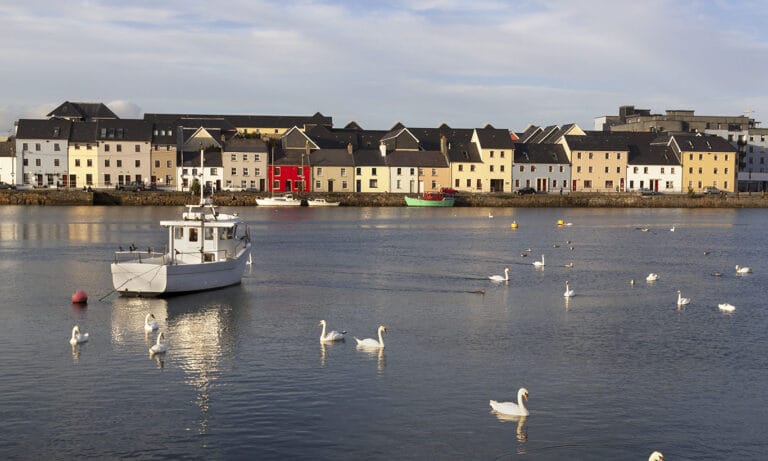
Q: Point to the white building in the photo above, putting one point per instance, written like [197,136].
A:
[41,152]
[654,166]
[544,167]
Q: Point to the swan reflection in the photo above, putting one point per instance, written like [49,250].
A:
[521,431]
[377,353]
[324,350]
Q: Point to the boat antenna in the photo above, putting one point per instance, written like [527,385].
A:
[202,171]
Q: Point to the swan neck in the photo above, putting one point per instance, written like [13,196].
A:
[381,339]
[322,334]
[521,402]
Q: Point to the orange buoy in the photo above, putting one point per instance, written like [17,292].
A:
[80,297]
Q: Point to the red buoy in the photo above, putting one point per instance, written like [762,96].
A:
[80,297]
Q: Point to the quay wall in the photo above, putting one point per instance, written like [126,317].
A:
[53,197]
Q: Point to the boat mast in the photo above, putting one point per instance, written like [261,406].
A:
[202,205]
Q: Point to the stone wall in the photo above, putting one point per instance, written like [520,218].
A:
[573,200]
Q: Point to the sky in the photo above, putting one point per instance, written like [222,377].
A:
[418,62]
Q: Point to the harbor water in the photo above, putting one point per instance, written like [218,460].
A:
[615,372]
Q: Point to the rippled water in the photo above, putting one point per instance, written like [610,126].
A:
[615,373]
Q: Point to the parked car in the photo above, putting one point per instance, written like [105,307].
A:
[711,190]
[525,191]
[134,186]
[649,192]
[5,185]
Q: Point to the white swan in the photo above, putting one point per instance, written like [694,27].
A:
[656,456]
[370,342]
[150,326]
[77,338]
[332,335]
[539,263]
[499,278]
[652,277]
[743,270]
[725,307]
[672,229]
[682,301]
[511,408]
[568,290]
[159,347]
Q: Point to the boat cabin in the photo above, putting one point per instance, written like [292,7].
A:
[203,237]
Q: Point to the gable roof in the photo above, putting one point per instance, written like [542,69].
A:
[369,157]
[699,143]
[652,154]
[124,130]
[238,144]
[493,138]
[601,140]
[83,132]
[422,159]
[331,157]
[83,111]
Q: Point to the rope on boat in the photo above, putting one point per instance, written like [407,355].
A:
[117,289]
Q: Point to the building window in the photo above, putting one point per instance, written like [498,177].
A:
[491,154]
[399,171]
[157,163]
[119,147]
[501,168]
[578,155]
[37,146]
[234,171]
[590,155]
[277,171]
[550,168]
[501,154]
[359,171]
[434,185]
[373,183]
[669,185]
[700,170]
[434,171]
[645,170]
[89,162]
[56,162]
[456,183]
[317,185]
[533,168]
[690,157]
[672,170]
[690,170]
[606,169]
[56,147]
[578,169]
[522,168]
[119,163]
[491,168]
[233,157]
[590,169]
[343,172]
[106,162]
[38,162]
[344,185]
[256,158]
[469,183]
[715,172]
[618,156]
[107,180]
[257,171]
[609,184]
[561,168]
[607,156]
[26,162]
[137,148]
[245,171]
[89,179]
[662,170]
[77,162]
[634,170]
[275,185]
[245,157]
[472,168]
[701,157]
[137,163]
[726,170]
[587,184]
[413,171]
[373,171]
[461,168]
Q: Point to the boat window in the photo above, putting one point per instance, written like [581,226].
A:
[209,257]
[193,235]
[226,234]
[178,233]
[209,233]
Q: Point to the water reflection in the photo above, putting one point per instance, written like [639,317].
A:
[324,350]
[128,316]
[377,353]
[521,431]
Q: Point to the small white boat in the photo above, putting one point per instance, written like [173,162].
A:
[206,250]
[282,200]
[321,202]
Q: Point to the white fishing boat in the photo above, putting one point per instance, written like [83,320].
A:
[281,200]
[206,250]
[321,202]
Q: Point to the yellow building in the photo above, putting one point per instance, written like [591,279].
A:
[707,161]
[497,153]
[163,156]
[82,156]
[599,160]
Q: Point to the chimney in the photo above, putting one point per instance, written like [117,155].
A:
[349,148]
[443,145]
[383,149]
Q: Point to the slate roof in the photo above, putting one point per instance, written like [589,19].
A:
[166,133]
[703,143]
[43,129]
[290,157]
[331,157]
[369,157]
[528,133]
[7,148]
[245,145]
[333,138]
[83,132]
[124,130]
[423,159]
[191,159]
[652,154]
[84,111]
[540,153]
[600,140]
[492,138]
[545,132]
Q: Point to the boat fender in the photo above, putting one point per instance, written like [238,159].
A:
[80,297]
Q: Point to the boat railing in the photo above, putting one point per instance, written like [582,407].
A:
[138,256]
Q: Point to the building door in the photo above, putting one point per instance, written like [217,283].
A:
[541,184]
[621,184]
[261,184]
[288,185]
[330,185]
[358,186]
[574,186]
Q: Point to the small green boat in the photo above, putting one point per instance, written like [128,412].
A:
[445,197]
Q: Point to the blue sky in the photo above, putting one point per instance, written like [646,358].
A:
[421,62]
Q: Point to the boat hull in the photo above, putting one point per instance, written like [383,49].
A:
[411,201]
[153,279]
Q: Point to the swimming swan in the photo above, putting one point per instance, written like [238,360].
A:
[568,290]
[725,307]
[743,270]
[370,342]
[511,408]
[652,277]
[539,263]
[499,278]
[150,326]
[332,335]
[656,456]
[159,347]
[682,301]
[77,338]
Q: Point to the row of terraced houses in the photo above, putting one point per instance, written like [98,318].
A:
[86,145]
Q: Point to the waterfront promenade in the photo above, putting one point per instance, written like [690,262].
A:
[54,197]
